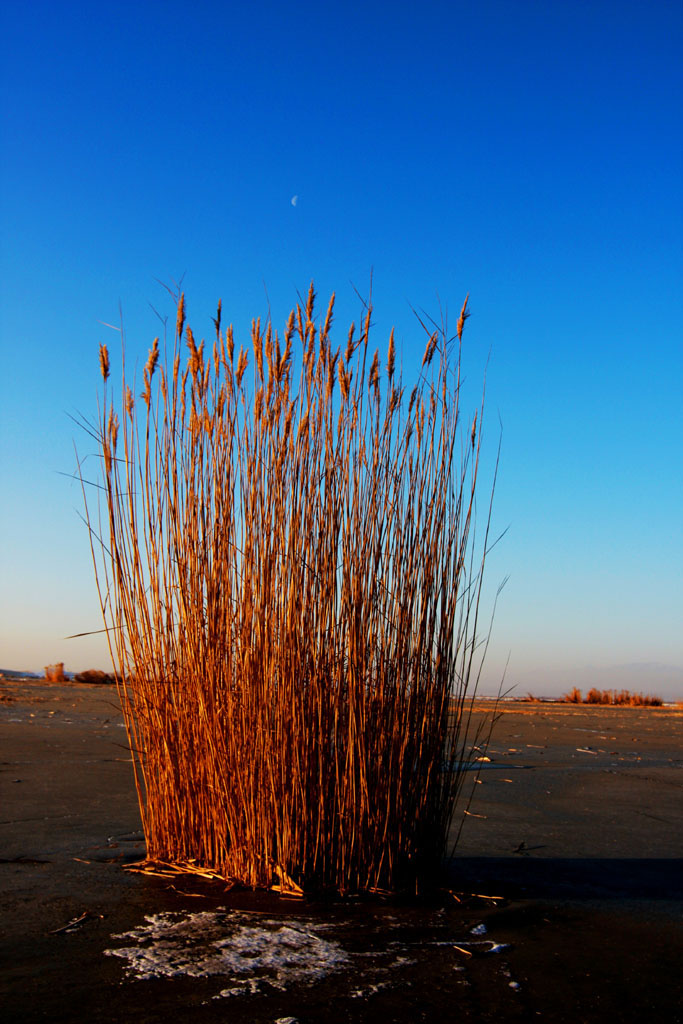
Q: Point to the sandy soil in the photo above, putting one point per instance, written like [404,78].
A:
[575,824]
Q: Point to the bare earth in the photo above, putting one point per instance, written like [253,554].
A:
[575,825]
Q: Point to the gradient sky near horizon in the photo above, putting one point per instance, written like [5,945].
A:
[527,153]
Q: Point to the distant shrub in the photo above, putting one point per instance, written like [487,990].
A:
[96,676]
[573,697]
[55,673]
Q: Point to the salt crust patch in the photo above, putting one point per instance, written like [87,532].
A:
[254,953]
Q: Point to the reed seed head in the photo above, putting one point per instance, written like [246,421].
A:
[373,379]
[464,315]
[350,347]
[310,302]
[104,362]
[217,318]
[430,349]
[242,361]
[391,355]
[344,382]
[180,316]
[113,430]
[328,317]
[152,359]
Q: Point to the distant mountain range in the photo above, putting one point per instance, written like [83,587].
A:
[10,673]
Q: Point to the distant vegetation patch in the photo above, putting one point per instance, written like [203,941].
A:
[622,697]
[594,696]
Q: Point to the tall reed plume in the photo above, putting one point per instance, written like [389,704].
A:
[289,578]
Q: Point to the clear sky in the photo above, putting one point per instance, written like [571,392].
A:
[526,152]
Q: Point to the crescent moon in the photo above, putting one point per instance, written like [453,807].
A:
[295,200]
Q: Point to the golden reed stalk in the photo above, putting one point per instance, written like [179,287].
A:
[291,591]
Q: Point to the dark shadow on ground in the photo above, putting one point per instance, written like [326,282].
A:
[528,877]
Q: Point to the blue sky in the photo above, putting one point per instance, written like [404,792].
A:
[528,153]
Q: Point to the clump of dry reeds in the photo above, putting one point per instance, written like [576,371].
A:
[616,697]
[291,586]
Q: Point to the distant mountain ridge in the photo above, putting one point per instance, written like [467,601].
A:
[11,673]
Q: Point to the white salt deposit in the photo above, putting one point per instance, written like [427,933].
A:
[253,952]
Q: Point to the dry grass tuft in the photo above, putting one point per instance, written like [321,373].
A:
[291,585]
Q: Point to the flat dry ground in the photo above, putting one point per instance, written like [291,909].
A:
[576,822]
